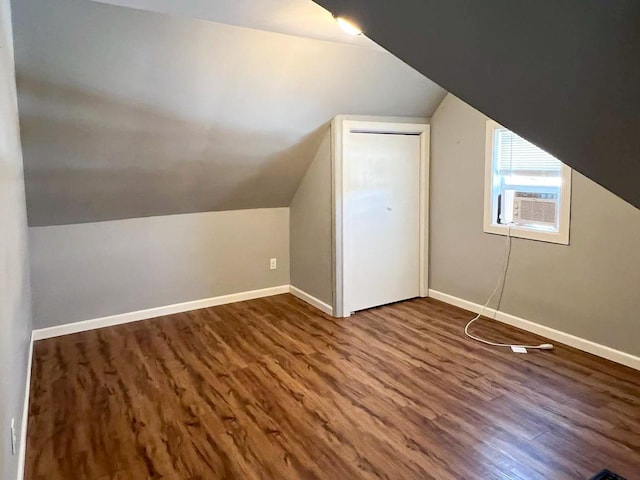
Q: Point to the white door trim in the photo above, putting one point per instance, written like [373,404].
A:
[341,126]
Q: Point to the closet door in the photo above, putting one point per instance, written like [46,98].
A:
[381,218]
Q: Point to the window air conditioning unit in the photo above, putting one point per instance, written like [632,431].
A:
[531,208]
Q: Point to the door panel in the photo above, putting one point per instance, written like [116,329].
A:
[381,219]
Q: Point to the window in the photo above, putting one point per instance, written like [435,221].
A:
[527,191]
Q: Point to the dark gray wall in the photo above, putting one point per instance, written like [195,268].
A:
[128,113]
[15,301]
[564,74]
[588,288]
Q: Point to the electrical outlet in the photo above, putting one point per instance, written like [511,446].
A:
[13,436]
[273,264]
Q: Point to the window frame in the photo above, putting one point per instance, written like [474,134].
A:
[564,213]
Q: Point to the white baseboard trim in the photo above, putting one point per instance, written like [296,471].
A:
[311,300]
[83,326]
[22,449]
[548,332]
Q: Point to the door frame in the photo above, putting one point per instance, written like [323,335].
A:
[341,126]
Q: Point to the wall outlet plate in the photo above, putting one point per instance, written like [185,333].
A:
[273,264]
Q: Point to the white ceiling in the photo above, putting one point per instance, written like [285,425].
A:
[302,18]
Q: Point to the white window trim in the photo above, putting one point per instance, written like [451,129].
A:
[560,237]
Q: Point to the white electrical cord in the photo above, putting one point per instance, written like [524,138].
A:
[501,282]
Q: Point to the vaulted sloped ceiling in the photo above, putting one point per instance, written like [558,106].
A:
[565,74]
[302,18]
[127,113]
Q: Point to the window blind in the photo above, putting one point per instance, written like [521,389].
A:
[516,156]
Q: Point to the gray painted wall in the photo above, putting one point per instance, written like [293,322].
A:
[562,73]
[589,288]
[128,113]
[15,316]
[86,271]
[311,232]
[312,220]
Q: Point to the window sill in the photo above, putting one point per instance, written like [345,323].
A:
[561,238]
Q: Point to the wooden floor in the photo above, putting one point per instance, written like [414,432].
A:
[274,389]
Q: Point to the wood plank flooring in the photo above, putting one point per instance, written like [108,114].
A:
[274,389]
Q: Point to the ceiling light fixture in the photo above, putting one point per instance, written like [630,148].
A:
[349,27]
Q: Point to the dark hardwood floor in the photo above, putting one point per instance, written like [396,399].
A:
[274,389]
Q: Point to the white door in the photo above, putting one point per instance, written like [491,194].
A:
[381,219]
